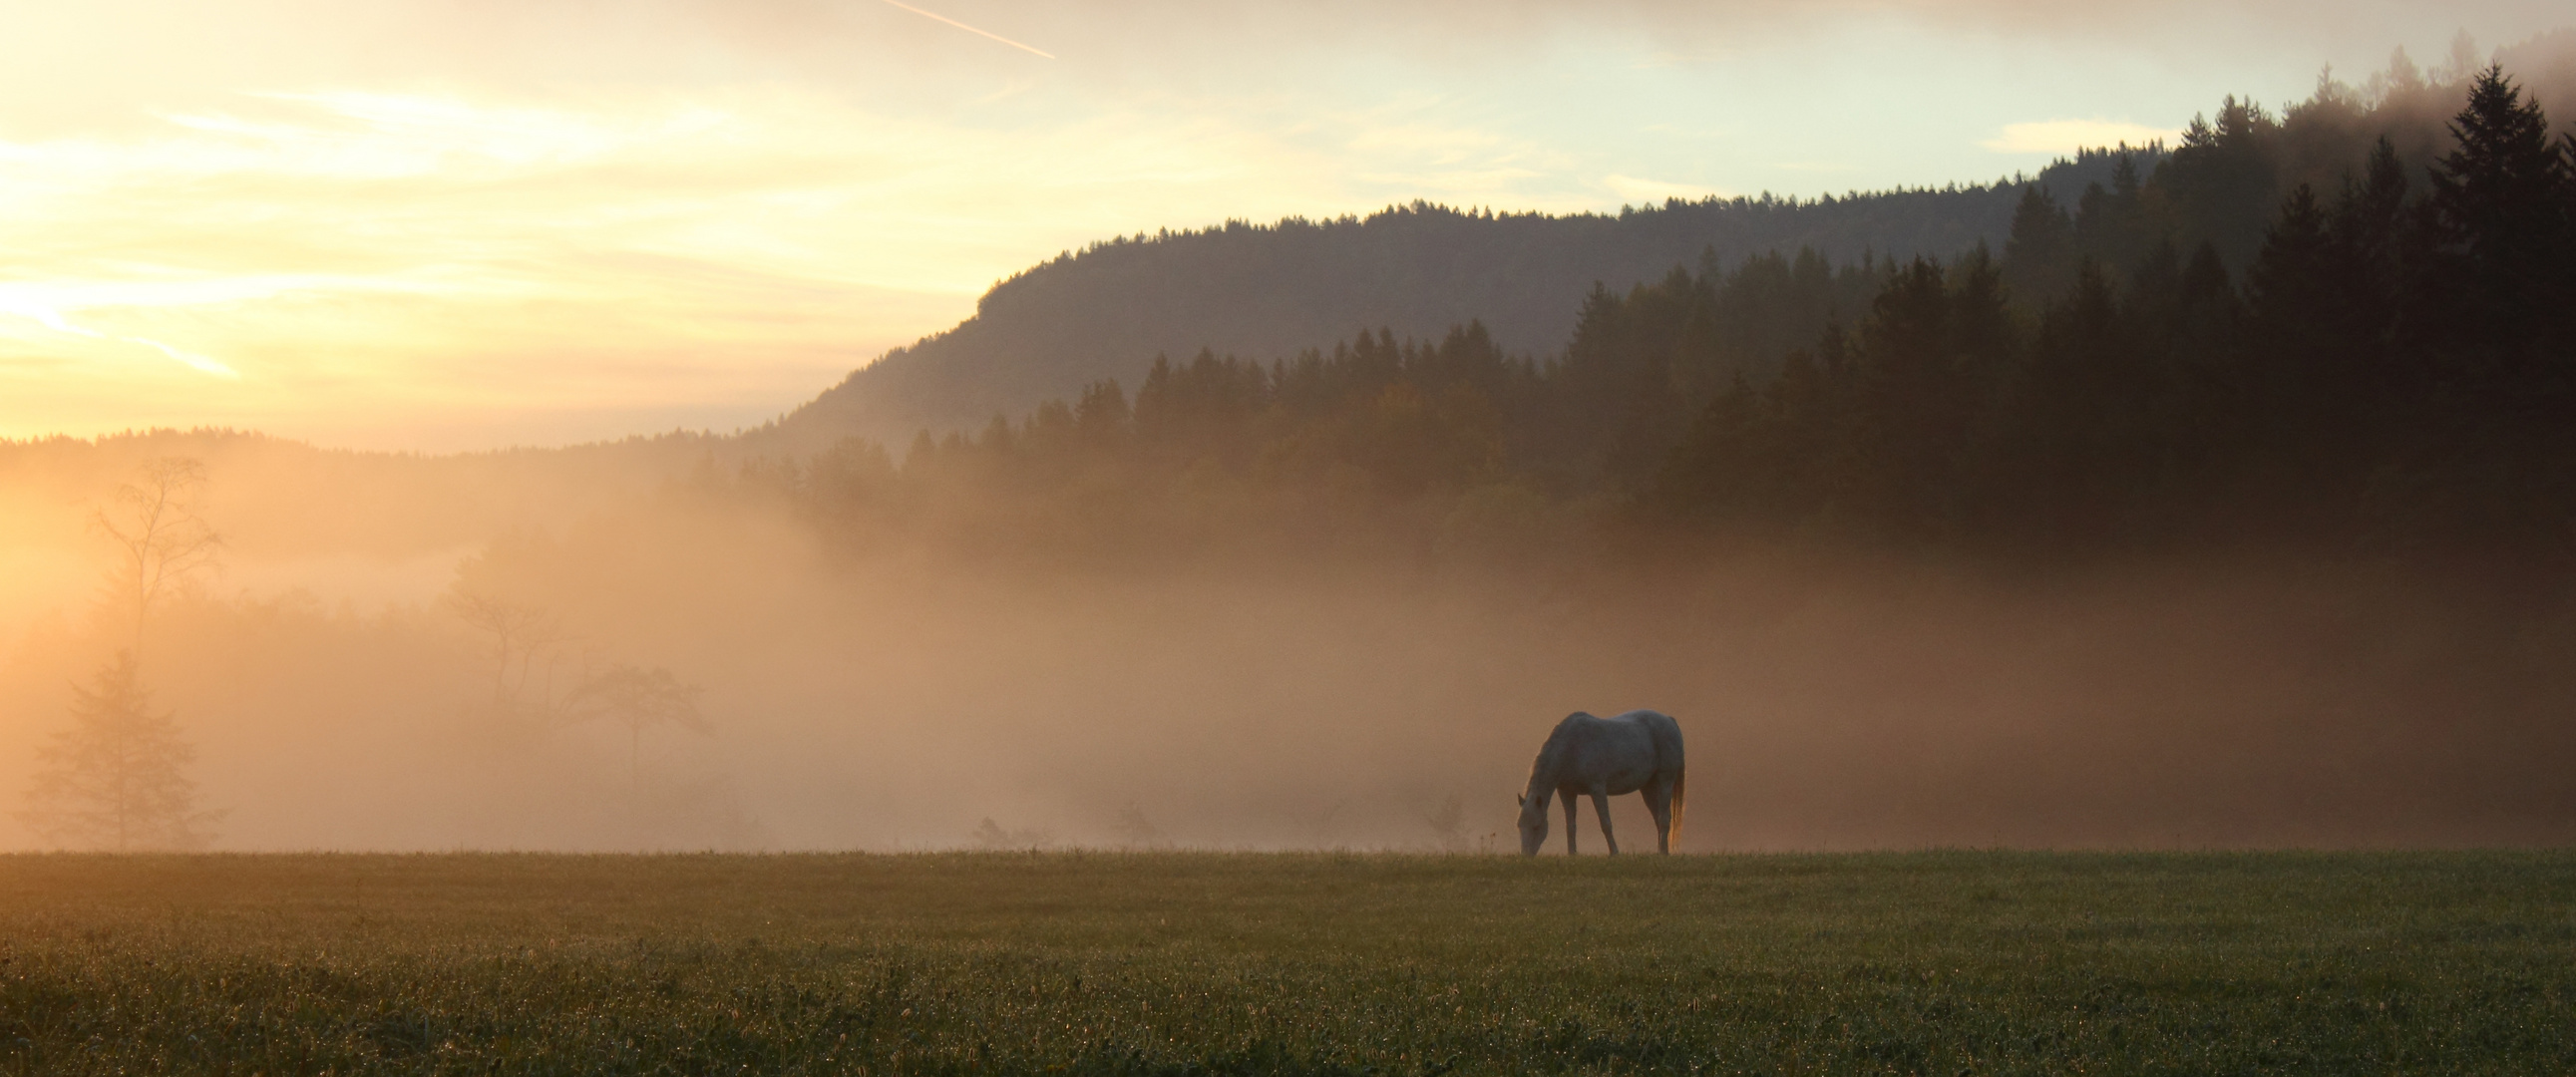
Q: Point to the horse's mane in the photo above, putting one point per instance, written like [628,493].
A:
[1546,755]
[1555,746]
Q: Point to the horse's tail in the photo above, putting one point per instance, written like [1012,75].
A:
[1673,836]
[1668,751]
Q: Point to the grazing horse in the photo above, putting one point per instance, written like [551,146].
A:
[1640,751]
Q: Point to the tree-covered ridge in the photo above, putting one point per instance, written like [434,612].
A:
[1265,291]
[2390,370]
[1366,443]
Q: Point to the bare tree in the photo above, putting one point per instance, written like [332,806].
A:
[115,778]
[160,540]
[518,632]
[638,699]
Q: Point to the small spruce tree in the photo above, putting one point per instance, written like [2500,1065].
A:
[115,778]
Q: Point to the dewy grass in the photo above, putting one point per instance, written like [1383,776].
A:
[1931,963]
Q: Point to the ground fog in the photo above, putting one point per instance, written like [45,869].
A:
[342,691]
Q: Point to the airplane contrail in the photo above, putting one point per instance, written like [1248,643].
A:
[970,29]
[54,320]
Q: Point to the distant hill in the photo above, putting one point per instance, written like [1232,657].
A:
[1267,291]
[1264,291]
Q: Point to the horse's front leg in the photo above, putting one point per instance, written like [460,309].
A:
[1601,806]
[1569,820]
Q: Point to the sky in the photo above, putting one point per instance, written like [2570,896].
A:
[441,225]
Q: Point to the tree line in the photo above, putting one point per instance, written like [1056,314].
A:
[2394,372]
[116,775]
[2385,367]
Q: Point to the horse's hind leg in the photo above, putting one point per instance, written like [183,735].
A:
[1601,806]
[1659,800]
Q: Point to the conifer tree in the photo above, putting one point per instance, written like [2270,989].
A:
[116,777]
[2370,403]
[2039,257]
[2111,225]
[2497,321]
[2291,312]
[1102,416]
[2500,201]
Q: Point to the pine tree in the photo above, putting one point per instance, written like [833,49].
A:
[2294,370]
[1925,351]
[115,779]
[2500,327]
[1103,417]
[2111,225]
[2375,406]
[2500,200]
[2039,256]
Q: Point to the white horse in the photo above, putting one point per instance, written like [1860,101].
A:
[1640,751]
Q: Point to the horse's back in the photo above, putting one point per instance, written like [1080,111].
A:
[1621,753]
[1662,732]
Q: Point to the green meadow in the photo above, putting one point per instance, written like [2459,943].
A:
[1177,963]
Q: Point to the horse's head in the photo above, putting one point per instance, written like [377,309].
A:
[1533,824]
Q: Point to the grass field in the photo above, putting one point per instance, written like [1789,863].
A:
[1934,963]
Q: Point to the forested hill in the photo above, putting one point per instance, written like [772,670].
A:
[2386,376]
[1264,291]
